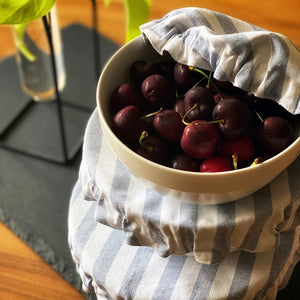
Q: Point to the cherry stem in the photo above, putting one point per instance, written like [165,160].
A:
[190,123]
[195,85]
[185,115]
[151,114]
[256,161]
[235,160]
[143,136]
[215,121]
[209,79]
[198,82]
[259,116]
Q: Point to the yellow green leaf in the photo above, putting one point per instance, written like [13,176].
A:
[137,13]
[23,11]
[106,2]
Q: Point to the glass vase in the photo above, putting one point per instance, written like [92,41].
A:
[38,78]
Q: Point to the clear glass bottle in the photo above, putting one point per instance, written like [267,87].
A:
[37,77]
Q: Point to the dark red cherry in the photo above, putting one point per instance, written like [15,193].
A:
[228,87]
[267,108]
[140,70]
[275,134]
[166,68]
[199,139]
[216,164]
[204,101]
[168,124]
[220,97]
[158,90]
[127,124]
[125,94]
[152,148]
[184,77]
[179,106]
[236,116]
[184,162]
[242,146]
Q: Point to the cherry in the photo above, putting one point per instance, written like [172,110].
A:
[275,134]
[267,108]
[199,139]
[158,90]
[127,124]
[205,103]
[228,87]
[182,161]
[140,70]
[242,146]
[152,148]
[216,164]
[236,115]
[148,116]
[179,106]
[184,77]
[125,94]
[166,68]
[168,123]
[221,97]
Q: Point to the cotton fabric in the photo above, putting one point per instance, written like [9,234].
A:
[264,63]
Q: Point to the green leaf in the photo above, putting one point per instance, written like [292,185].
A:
[18,31]
[137,13]
[106,2]
[8,8]
[23,11]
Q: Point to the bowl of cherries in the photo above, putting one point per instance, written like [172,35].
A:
[181,131]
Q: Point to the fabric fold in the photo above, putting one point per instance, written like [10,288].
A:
[265,63]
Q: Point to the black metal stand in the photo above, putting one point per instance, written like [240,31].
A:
[67,153]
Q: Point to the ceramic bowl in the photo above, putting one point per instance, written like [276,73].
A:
[199,187]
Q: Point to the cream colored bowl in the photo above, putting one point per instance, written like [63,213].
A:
[199,187]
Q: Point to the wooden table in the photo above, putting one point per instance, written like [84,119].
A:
[23,274]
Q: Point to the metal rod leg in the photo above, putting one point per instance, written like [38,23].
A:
[47,25]
[96,39]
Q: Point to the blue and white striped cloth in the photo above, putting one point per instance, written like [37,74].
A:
[175,226]
[112,269]
[255,60]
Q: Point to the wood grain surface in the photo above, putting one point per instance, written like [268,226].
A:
[23,274]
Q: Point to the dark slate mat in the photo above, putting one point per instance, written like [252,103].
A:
[34,193]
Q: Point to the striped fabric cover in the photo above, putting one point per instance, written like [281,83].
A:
[262,62]
[174,226]
[112,269]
